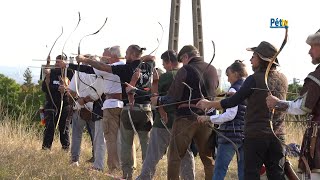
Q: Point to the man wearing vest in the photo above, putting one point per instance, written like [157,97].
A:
[161,129]
[196,74]
[307,103]
[261,142]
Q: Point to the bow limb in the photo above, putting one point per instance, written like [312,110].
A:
[270,65]
[189,100]
[47,81]
[266,83]
[201,77]
[273,60]
[131,122]
[159,42]
[78,68]
[134,79]
[79,19]
[64,81]
[91,35]
[213,56]
[64,71]
[79,52]
[155,50]
[48,60]
[71,33]
[229,140]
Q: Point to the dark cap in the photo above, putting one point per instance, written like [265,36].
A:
[187,49]
[265,51]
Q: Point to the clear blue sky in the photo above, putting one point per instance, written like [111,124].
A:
[30,27]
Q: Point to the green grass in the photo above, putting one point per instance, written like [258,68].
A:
[21,156]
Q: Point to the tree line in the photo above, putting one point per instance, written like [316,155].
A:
[17,99]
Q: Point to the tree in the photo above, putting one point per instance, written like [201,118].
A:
[295,87]
[18,99]
[9,93]
[27,77]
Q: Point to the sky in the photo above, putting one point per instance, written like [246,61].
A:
[29,29]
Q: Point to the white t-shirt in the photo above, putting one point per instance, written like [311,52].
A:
[84,89]
[111,84]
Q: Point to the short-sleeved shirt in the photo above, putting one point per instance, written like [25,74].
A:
[165,81]
[84,81]
[110,85]
[53,88]
[125,72]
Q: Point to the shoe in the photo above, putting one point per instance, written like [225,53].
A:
[262,170]
[91,160]
[45,148]
[95,169]
[75,163]
[127,176]
[65,148]
[113,170]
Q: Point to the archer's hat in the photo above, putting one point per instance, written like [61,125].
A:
[265,51]
[314,38]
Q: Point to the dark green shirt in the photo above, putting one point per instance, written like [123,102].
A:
[165,81]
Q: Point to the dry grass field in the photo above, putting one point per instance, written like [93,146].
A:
[21,156]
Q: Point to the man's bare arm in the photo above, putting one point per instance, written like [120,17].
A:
[72,93]
[95,64]
[100,65]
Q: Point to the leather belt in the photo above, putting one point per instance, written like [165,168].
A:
[114,96]
[141,107]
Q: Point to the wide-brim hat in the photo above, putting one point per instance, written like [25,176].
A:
[265,51]
[314,38]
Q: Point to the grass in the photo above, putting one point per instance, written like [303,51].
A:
[21,156]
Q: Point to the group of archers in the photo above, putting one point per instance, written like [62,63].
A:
[174,112]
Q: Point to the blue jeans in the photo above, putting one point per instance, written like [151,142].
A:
[225,154]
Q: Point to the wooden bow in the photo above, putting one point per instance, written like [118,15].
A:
[266,75]
[64,80]
[77,89]
[47,79]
